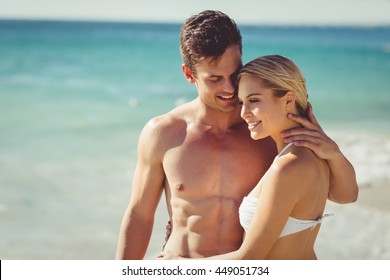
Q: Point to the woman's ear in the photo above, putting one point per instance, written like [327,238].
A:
[187,73]
[290,99]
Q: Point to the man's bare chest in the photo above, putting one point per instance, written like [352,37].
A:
[219,168]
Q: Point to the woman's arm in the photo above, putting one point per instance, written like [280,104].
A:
[282,188]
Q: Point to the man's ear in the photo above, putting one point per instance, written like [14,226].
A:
[290,99]
[188,73]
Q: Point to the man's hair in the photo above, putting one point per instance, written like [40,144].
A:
[207,35]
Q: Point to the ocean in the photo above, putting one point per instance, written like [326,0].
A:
[74,97]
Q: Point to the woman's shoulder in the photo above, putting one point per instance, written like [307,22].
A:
[298,164]
[297,157]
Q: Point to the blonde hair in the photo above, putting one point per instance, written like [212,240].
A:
[281,75]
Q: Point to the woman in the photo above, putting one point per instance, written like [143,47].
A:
[282,214]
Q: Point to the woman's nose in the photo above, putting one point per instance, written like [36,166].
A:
[245,112]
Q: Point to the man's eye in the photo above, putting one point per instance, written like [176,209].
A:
[213,80]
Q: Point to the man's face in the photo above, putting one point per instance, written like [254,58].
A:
[215,81]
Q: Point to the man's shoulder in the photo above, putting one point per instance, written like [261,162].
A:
[166,126]
[165,122]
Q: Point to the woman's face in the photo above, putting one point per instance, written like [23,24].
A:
[264,113]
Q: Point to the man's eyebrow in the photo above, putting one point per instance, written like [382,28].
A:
[213,76]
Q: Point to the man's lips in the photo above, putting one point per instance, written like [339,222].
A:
[226,97]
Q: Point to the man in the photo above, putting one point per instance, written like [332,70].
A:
[202,156]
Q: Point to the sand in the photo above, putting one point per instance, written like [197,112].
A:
[375,197]
[358,231]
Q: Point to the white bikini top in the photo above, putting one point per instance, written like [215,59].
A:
[248,208]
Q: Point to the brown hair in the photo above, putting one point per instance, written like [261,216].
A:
[207,35]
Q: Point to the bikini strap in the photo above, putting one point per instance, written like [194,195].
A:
[285,148]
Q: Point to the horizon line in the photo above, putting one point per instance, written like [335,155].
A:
[175,22]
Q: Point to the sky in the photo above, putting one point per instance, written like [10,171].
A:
[270,12]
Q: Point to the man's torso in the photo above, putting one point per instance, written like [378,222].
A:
[207,175]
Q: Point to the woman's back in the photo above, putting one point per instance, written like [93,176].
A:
[295,190]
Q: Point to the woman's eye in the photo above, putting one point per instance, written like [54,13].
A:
[253,100]
[240,102]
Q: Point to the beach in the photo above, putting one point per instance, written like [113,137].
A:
[358,231]
[74,97]
[71,208]
[361,230]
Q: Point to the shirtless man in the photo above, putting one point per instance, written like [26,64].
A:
[201,153]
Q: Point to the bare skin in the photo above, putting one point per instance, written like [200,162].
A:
[282,192]
[310,135]
[204,207]
[202,155]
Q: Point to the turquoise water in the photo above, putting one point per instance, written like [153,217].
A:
[75,95]
[64,66]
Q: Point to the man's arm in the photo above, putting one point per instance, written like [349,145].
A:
[343,188]
[147,187]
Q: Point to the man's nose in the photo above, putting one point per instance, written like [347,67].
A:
[229,86]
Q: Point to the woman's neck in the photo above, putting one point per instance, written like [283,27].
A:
[277,137]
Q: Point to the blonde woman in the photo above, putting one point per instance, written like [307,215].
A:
[282,214]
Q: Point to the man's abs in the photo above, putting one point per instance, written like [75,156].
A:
[204,230]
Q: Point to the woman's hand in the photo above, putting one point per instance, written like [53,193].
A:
[311,136]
